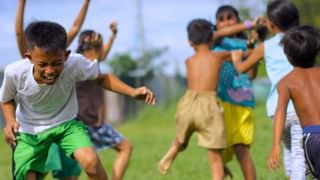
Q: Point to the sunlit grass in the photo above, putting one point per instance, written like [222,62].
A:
[152,131]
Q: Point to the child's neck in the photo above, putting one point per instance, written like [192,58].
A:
[276,30]
[91,54]
[201,48]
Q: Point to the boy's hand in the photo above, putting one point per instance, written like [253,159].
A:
[114,27]
[236,56]
[273,160]
[96,40]
[10,131]
[143,93]
[257,20]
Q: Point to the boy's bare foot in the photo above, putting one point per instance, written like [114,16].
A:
[227,172]
[164,165]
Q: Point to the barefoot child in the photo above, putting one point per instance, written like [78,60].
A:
[198,110]
[302,86]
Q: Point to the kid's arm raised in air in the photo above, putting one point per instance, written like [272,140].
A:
[21,40]
[234,29]
[73,31]
[107,46]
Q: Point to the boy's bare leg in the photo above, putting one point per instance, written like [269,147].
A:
[124,150]
[168,158]
[247,166]
[216,164]
[31,175]
[90,162]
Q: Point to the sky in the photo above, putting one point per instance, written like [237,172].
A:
[164,23]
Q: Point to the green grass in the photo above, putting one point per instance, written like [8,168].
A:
[152,132]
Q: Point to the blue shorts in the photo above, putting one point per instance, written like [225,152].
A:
[311,146]
[104,136]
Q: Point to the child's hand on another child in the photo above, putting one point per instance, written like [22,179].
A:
[143,93]
[236,56]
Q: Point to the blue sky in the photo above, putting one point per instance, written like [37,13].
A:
[164,23]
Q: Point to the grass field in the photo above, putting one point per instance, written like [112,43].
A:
[151,133]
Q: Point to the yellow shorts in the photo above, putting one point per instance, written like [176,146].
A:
[239,127]
[199,112]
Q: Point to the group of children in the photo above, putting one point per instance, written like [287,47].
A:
[290,57]
[41,94]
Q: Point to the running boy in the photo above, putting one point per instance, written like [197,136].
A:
[301,85]
[39,102]
[198,110]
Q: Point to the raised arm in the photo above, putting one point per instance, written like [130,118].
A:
[107,46]
[73,31]
[234,29]
[243,66]
[278,125]
[112,83]
[20,36]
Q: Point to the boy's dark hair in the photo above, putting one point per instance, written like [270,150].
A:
[233,10]
[200,31]
[49,36]
[262,30]
[283,14]
[301,45]
[84,41]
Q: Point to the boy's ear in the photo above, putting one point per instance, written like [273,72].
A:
[190,43]
[67,53]
[28,55]
[270,25]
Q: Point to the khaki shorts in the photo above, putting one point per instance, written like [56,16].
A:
[199,112]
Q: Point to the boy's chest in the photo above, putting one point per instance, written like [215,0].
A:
[34,94]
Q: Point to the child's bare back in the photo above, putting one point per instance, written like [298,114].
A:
[203,71]
[303,86]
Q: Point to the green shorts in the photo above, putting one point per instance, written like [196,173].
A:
[32,150]
[61,165]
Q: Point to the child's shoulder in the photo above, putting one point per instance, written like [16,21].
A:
[75,59]
[18,66]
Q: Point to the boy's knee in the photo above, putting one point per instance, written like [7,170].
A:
[124,146]
[92,164]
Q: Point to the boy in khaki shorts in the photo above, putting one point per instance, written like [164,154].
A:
[198,110]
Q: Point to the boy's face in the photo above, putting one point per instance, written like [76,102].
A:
[226,19]
[47,65]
